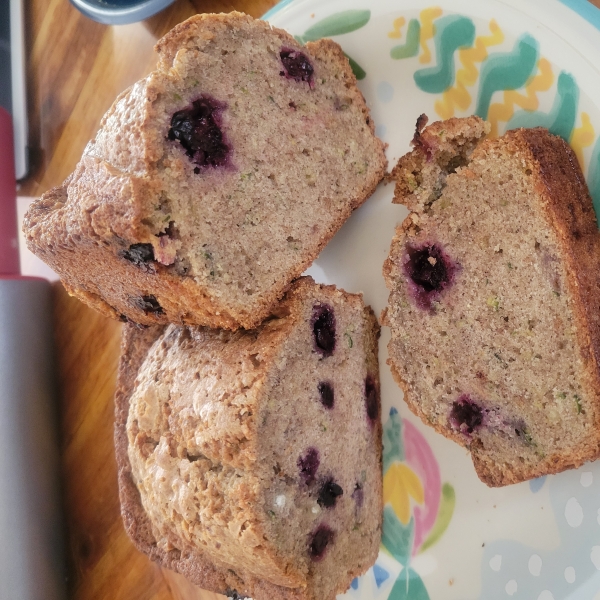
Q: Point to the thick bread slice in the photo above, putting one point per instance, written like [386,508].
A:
[494,299]
[251,461]
[215,181]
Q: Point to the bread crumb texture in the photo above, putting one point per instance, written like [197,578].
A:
[215,181]
[494,301]
[251,460]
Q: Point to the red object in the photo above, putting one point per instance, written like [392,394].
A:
[9,239]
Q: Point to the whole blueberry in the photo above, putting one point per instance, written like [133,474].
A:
[319,540]
[323,325]
[149,304]
[466,415]
[428,268]
[296,65]
[329,493]
[371,398]
[326,392]
[198,129]
[139,254]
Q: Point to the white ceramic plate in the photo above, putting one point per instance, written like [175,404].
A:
[517,63]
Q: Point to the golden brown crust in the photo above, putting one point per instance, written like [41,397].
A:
[373,366]
[562,195]
[201,570]
[569,209]
[439,148]
[488,471]
[103,275]
[104,206]
[183,34]
[195,566]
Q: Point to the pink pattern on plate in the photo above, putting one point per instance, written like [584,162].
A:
[422,460]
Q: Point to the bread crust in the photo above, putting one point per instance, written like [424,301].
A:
[198,568]
[568,210]
[419,175]
[83,227]
[201,571]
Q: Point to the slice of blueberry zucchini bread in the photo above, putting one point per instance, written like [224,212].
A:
[251,460]
[215,181]
[494,303]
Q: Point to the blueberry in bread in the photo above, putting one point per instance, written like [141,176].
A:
[215,181]
[251,460]
[494,304]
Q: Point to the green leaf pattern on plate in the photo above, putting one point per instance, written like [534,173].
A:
[444,515]
[397,538]
[506,71]
[594,177]
[561,118]
[358,71]
[409,586]
[339,23]
[417,508]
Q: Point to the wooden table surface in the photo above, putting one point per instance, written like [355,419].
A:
[76,69]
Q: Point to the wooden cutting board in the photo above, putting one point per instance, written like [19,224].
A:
[76,68]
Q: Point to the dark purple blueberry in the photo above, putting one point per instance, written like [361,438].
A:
[466,415]
[319,540]
[328,494]
[235,595]
[371,398]
[149,304]
[308,465]
[427,268]
[430,271]
[358,495]
[139,254]
[125,319]
[326,392]
[296,65]
[198,129]
[324,329]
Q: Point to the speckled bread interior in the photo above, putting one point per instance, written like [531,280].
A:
[145,231]
[494,302]
[251,460]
